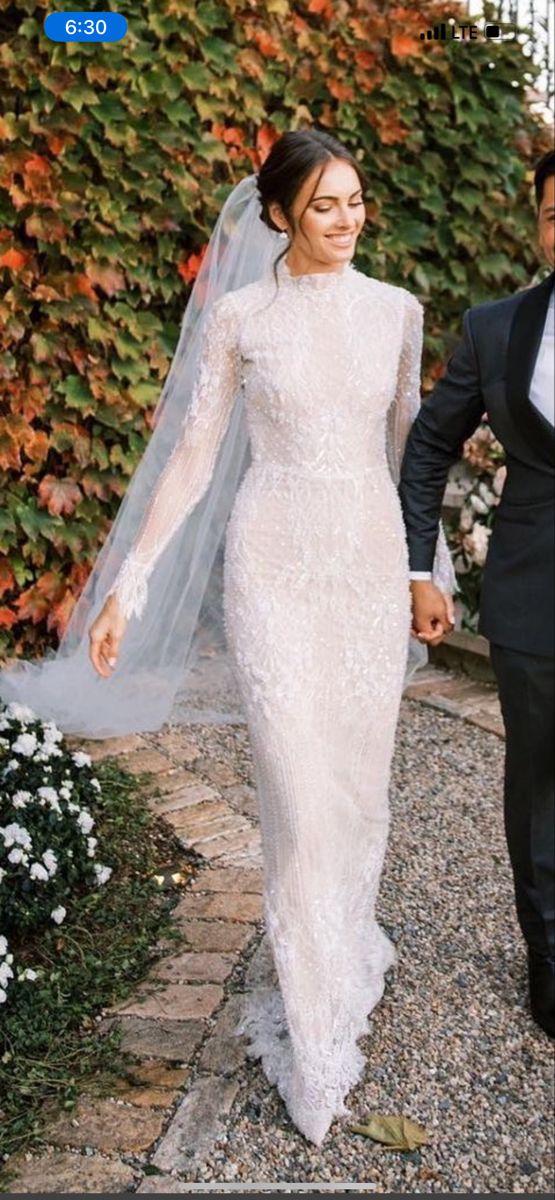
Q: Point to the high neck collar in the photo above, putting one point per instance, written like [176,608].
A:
[314,281]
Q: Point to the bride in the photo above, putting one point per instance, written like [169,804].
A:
[316,367]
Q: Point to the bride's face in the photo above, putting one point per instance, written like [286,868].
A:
[325,225]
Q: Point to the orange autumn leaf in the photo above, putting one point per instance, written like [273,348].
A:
[55,143]
[59,495]
[32,606]
[189,269]
[37,165]
[82,285]
[51,585]
[7,618]
[265,138]
[266,44]
[14,259]
[340,91]
[365,59]
[7,577]
[402,45]
[323,7]
[59,614]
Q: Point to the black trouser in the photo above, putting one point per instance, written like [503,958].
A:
[526,692]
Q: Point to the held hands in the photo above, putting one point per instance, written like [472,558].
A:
[105,637]
[433,612]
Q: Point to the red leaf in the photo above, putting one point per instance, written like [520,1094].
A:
[32,606]
[323,7]
[37,165]
[59,495]
[7,618]
[7,577]
[265,138]
[14,259]
[340,91]
[402,45]
[189,269]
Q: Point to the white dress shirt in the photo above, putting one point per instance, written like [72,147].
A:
[542,386]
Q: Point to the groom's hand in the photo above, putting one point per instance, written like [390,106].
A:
[432,612]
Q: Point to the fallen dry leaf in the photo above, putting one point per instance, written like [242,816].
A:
[393,1132]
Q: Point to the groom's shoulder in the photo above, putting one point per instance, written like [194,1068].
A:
[496,310]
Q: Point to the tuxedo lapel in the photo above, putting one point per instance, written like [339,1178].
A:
[524,343]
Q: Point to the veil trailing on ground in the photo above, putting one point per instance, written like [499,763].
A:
[172,664]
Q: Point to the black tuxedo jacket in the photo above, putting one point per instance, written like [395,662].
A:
[490,373]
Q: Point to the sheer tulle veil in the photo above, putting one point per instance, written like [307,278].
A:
[175,654]
[173,664]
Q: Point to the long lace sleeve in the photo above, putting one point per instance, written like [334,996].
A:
[189,468]
[401,415]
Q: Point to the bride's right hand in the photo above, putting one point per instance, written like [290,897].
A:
[105,636]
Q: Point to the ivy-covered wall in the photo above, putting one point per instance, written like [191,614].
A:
[115,161]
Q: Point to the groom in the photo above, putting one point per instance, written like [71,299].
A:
[503,366]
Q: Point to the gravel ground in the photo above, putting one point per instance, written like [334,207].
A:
[452,1043]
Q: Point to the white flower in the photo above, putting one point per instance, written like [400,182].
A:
[2,873]
[27,973]
[91,846]
[25,744]
[487,495]
[3,944]
[58,914]
[479,505]
[48,793]
[3,996]
[20,798]
[50,861]
[12,765]
[53,734]
[16,855]
[476,543]
[21,712]
[37,871]
[15,833]
[95,784]
[4,723]
[5,973]
[85,821]
[81,759]
[65,792]
[102,873]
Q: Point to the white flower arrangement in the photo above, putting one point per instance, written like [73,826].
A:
[46,793]
[470,533]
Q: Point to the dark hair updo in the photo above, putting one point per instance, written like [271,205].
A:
[290,162]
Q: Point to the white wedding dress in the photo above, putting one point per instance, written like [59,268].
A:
[317,615]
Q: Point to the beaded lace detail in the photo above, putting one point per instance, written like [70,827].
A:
[317,613]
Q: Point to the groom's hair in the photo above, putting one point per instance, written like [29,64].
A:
[543,169]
